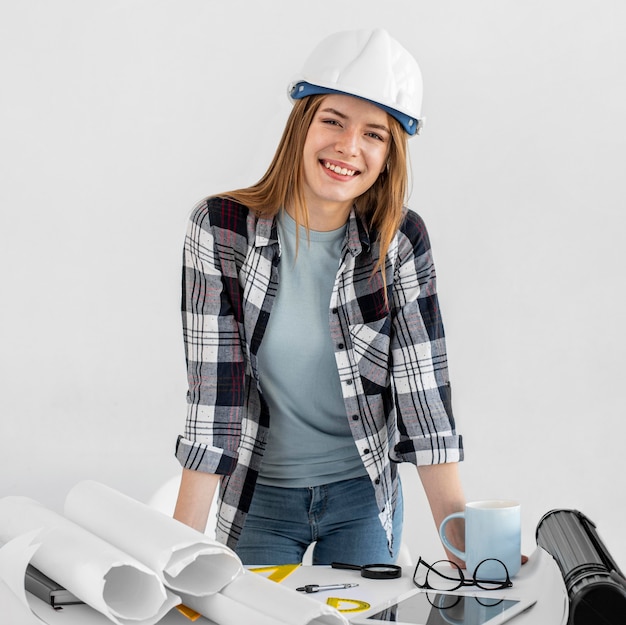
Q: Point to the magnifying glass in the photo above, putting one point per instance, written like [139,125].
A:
[372,571]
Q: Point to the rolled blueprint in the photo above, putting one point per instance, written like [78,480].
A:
[100,574]
[14,558]
[252,598]
[186,560]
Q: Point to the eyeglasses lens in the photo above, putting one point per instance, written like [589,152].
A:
[444,575]
[491,574]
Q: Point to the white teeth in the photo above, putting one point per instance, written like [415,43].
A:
[344,171]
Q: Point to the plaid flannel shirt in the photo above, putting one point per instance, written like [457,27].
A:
[391,361]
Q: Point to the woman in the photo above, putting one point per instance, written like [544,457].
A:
[315,349]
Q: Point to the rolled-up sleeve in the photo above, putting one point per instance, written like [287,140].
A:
[426,426]
[213,351]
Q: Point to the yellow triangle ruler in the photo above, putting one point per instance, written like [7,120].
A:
[192,615]
[348,605]
[276,573]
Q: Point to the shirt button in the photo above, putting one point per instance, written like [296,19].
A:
[334,311]
[339,345]
[366,451]
[355,417]
[377,480]
[349,382]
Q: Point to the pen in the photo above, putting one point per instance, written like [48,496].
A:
[316,587]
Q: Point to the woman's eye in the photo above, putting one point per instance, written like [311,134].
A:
[375,136]
[332,122]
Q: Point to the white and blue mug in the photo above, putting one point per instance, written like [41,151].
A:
[493,529]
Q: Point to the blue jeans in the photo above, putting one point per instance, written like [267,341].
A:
[341,518]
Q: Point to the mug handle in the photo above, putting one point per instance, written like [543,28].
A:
[444,539]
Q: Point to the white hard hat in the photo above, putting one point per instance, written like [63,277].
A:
[369,64]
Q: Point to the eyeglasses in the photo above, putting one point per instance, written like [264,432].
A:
[490,574]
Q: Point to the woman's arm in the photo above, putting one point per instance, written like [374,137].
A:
[418,363]
[195,496]
[214,356]
[442,485]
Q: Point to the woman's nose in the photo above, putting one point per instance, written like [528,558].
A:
[348,142]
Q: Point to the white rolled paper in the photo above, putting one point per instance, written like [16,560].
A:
[14,558]
[224,611]
[186,560]
[252,598]
[100,574]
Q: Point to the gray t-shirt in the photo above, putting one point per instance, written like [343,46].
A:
[309,441]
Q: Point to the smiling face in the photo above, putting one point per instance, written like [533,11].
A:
[345,150]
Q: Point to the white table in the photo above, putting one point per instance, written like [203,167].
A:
[539,579]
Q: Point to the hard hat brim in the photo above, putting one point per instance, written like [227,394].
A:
[303,89]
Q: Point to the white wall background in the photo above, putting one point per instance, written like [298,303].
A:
[117,115]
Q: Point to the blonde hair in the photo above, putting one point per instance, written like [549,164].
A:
[381,207]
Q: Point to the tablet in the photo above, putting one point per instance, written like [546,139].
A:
[428,607]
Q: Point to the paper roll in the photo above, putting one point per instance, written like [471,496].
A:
[14,558]
[252,598]
[186,560]
[101,575]
[224,611]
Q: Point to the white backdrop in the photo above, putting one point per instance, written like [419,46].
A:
[116,116]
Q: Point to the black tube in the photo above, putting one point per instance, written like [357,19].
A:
[595,585]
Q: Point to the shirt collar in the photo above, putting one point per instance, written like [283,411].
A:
[266,232]
[357,236]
